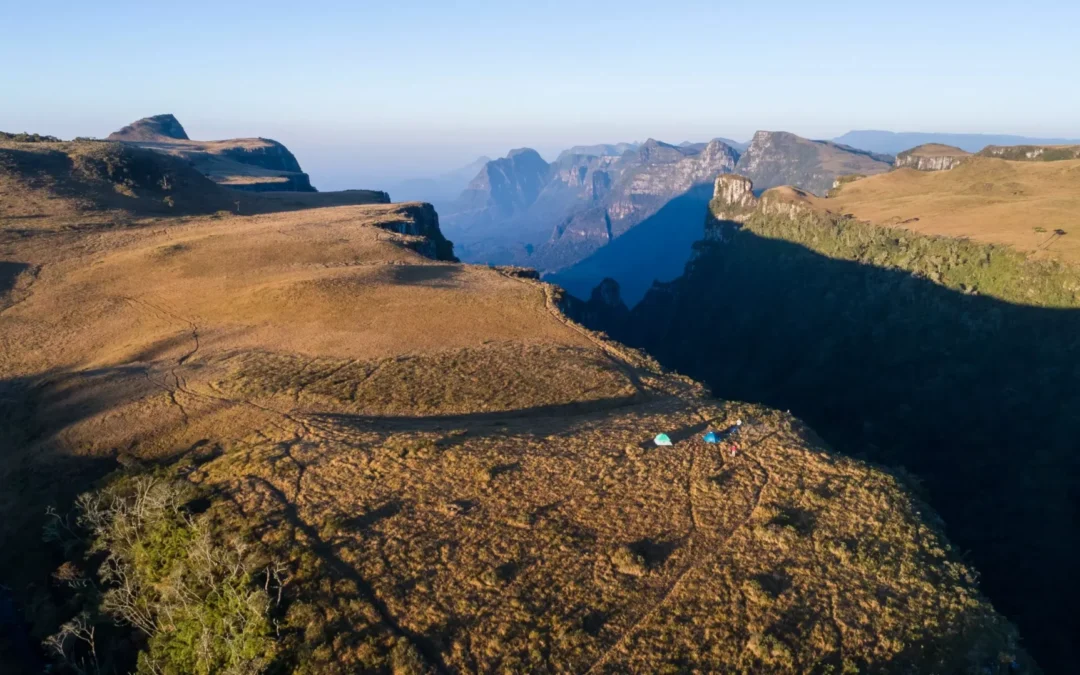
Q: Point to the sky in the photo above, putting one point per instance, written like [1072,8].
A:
[368,93]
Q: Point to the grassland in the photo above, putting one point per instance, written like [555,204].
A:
[416,466]
[1019,204]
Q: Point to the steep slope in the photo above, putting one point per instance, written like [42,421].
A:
[89,181]
[507,186]
[255,164]
[342,456]
[523,211]
[50,184]
[645,181]
[155,128]
[931,157]
[780,158]
[891,143]
[948,356]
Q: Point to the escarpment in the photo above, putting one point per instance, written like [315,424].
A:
[248,164]
[931,157]
[1032,153]
[385,461]
[949,357]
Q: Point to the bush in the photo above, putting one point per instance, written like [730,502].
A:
[194,597]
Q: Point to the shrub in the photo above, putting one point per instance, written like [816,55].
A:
[194,597]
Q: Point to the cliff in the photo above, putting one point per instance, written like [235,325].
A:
[250,164]
[1032,153]
[777,158]
[558,217]
[941,355]
[390,463]
[931,157]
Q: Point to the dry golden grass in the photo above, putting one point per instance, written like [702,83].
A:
[1019,204]
[461,479]
[936,150]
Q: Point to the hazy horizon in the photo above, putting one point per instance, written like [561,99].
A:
[369,96]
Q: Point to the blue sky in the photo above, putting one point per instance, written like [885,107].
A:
[366,93]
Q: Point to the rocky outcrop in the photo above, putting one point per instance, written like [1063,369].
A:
[779,158]
[734,194]
[421,221]
[1032,153]
[248,164]
[267,154]
[297,182]
[931,157]
[149,129]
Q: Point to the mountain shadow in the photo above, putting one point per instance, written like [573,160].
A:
[657,249]
[977,397]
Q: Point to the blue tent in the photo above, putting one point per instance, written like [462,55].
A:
[662,439]
[711,437]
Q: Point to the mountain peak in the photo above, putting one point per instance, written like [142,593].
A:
[529,152]
[153,128]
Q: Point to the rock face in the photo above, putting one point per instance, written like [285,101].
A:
[156,128]
[780,158]
[522,210]
[508,186]
[926,351]
[931,157]
[734,192]
[1032,153]
[248,164]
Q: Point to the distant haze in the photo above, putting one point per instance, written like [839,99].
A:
[369,94]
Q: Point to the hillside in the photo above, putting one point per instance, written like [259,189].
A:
[1020,204]
[50,184]
[777,158]
[951,357]
[312,443]
[256,164]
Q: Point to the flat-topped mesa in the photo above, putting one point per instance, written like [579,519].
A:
[931,157]
[248,164]
[1032,153]
[154,128]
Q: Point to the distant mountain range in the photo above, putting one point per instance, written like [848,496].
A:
[893,143]
[440,189]
[631,211]
[628,211]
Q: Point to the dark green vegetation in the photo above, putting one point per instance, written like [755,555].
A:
[956,360]
[155,585]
